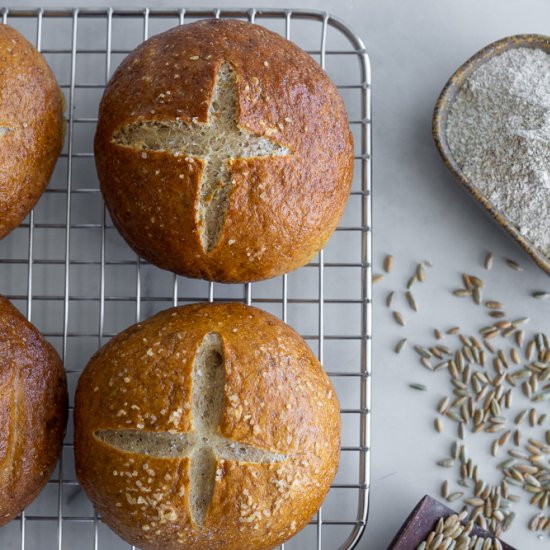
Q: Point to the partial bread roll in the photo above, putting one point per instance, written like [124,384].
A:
[208,427]
[223,152]
[31,127]
[33,411]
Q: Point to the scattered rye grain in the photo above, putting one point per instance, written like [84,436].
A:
[462,292]
[400,345]
[530,350]
[426,363]
[477,295]
[504,438]
[467,281]
[520,417]
[476,281]
[422,352]
[443,405]
[520,321]
[398,318]
[480,399]
[513,264]
[497,314]
[519,338]
[532,417]
[411,301]
[514,356]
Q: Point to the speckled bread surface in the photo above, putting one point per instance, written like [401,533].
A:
[31,127]
[33,411]
[209,426]
[277,195]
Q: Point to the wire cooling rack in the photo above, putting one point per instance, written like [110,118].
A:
[68,268]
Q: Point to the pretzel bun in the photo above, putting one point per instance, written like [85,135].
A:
[223,152]
[31,127]
[33,411]
[209,426]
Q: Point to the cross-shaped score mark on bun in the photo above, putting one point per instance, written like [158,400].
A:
[216,143]
[204,446]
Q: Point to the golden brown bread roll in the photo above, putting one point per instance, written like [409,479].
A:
[223,152]
[208,427]
[31,127]
[33,411]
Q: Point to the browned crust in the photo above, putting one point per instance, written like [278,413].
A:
[31,104]
[281,210]
[277,397]
[33,411]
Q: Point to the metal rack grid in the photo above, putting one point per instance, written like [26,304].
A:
[79,283]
